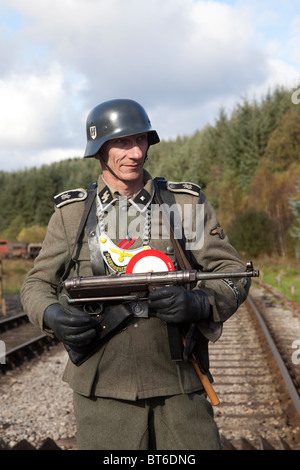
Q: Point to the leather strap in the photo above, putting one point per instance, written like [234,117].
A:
[160,186]
[96,258]
[174,333]
[92,189]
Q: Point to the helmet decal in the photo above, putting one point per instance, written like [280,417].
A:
[93,132]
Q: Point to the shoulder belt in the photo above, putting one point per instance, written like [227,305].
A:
[163,196]
[71,195]
[178,353]
[90,195]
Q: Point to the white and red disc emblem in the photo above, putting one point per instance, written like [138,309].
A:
[149,261]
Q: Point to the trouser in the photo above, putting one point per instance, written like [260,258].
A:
[178,422]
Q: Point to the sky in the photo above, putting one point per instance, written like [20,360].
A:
[183,60]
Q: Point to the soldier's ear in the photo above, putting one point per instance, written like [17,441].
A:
[100,156]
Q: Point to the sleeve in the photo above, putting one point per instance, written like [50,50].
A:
[39,288]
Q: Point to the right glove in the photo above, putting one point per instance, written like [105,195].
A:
[71,326]
[175,304]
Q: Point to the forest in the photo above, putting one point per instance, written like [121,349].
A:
[247,163]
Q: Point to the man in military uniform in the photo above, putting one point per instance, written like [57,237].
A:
[131,393]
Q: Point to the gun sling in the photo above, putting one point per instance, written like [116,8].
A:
[198,347]
[178,353]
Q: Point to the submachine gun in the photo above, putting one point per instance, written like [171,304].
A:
[135,287]
[125,288]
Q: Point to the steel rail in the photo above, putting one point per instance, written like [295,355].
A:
[284,372]
[13,318]
[30,342]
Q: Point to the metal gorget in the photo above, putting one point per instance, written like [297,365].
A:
[115,256]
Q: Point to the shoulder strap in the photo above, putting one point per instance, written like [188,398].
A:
[174,333]
[97,262]
[92,189]
[163,195]
[194,339]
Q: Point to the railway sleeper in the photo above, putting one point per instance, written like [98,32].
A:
[48,444]
[244,444]
[25,352]
[10,322]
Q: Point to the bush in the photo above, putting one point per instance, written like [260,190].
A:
[252,233]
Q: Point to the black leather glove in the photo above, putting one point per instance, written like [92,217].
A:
[175,304]
[70,325]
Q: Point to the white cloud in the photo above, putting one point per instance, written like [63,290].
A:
[181,59]
[31,103]
[294,39]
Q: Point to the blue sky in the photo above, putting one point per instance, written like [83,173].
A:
[181,59]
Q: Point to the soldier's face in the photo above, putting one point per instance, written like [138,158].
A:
[125,156]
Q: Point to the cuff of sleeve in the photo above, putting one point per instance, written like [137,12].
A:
[44,327]
[211,328]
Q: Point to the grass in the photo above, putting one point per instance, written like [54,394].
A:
[14,272]
[281,273]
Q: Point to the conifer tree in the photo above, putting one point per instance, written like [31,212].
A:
[294,203]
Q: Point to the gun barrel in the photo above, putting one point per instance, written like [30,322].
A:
[224,275]
[125,284]
[121,287]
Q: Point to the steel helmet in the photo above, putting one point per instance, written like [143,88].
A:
[116,118]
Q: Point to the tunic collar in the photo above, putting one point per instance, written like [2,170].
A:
[108,195]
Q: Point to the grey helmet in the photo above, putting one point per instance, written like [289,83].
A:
[113,119]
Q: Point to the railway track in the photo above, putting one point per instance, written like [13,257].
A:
[258,391]
[256,401]
[22,340]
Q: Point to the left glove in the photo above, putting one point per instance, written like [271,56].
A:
[70,325]
[175,304]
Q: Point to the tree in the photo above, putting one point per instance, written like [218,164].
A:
[252,233]
[12,231]
[227,196]
[34,234]
[294,203]
[242,151]
[270,192]
[283,147]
